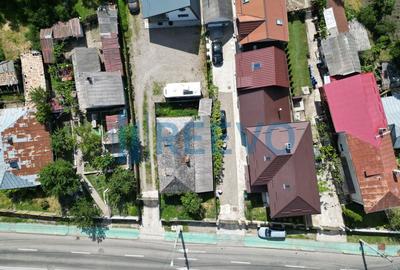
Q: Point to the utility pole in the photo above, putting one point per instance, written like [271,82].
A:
[381,254]
[178,234]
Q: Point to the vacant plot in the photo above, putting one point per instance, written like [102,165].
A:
[13,42]
[297,56]
[373,239]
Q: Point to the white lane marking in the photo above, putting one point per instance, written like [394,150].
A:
[348,269]
[19,268]
[28,249]
[239,262]
[191,251]
[80,252]
[189,259]
[134,255]
[294,266]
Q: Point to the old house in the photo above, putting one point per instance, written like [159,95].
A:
[8,77]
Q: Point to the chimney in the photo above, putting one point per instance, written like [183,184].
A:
[288,147]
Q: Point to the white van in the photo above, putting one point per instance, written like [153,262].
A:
[182,90]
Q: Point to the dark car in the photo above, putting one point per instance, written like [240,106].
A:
[217,57]
[133,6]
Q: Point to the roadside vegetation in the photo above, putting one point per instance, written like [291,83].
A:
[254,208]
[297,51]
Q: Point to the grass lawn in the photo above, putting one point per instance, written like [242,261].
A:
[297,54]
[99,182]
[13,41]
[372,220]
[31,199]
[12,97]
[168,110]
[86,11]
[374,239]
[254,208]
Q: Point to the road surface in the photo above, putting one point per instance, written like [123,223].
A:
[37,252]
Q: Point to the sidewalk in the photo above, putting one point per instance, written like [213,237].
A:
[205,238]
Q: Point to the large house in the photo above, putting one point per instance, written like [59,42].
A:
[32,74]
[25,148]
[184,154]
[96,89]
[262,20]
[263,87]
[364,141]
[281,163]
[171,12]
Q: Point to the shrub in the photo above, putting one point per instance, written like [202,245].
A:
[84,213]
[44,204]
[40,98]
[394,218]
[350,214]
[192,204]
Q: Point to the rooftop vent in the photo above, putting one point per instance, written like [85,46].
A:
[10,140]
[255,66]
[288,147]
[90,80]
[279,22]
[245,1]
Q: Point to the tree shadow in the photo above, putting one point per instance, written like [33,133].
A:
[97,233]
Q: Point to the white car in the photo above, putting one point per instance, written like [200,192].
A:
[268,233]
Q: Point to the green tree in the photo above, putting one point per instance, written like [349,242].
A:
[129,140]
[367,17]
[104,162]
[192,203]
[62,141]
[395,53]
[40,99]
[59,179]
[121,184]
[84,213]
[90,142]
[394,218]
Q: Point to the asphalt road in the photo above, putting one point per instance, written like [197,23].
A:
[37,252]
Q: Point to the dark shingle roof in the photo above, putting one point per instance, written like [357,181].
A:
[217,10]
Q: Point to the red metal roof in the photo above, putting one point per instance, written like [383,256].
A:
[356,110]
[261,68]
[47,50]
[111,53]
[289,175]
[262,20]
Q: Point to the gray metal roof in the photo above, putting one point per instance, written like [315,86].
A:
[85,60]
[341,54]
[10,181]
[184,160]
[152,8]
[7,74]
[99,90]
[360,33]
[391,106]
[217,11]
[107,17]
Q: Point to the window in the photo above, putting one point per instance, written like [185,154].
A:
[255,66]
[182,9]
[286,186]
[245,1]
[183,15]
[279,22]
[14,164]
[341,147]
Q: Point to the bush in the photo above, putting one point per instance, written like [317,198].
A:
[62,141]
[192,204]
[44,204]
[2,55]
[40,98]
[394,218]
[350,214]
[84,213]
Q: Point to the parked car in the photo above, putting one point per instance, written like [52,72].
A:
[217,56]
[133,6]
[223,122]
[268,233]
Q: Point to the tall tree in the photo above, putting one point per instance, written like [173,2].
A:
[40,99]
[59,179]
[84,213]
[122,184]
[62,141]
[90,142]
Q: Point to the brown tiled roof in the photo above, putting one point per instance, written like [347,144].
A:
[289,174]
[374,167]
[30,145]
[340,14]
[264,106]
[261,68]
[257,21]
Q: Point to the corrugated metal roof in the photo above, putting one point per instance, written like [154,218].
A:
[99,90]
[261,68]
[184,160]
[10,181]
[391,105]
[111,53]
[7,74]
[341,54]
[272,13]
[85,60]
[107,17]
[47,46]
[340,15]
